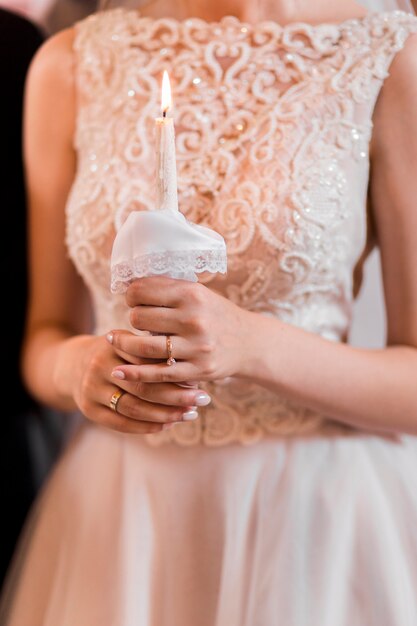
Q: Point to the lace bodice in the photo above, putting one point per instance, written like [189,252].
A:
[273,128]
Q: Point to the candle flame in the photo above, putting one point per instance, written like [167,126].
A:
[166,102]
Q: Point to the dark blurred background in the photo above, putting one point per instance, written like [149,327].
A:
[31,435]
[51,15]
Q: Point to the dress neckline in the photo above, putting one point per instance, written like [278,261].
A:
[232,20]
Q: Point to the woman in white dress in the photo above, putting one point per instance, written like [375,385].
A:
[283,489]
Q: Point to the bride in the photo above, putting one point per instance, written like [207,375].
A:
[281,486]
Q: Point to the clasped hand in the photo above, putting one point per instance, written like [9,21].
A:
[207,332]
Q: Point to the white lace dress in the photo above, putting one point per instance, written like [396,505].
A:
[261,512]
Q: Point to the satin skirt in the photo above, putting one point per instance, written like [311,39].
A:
[287,532]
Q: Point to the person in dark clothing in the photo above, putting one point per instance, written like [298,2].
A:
[25,428]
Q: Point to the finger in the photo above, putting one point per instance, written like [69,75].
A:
[137,409]
[167,394]
[110,419]
[188,385]
[133,360]
[147,347]
[158,373]
[129,339]
[156,291]
[155,319]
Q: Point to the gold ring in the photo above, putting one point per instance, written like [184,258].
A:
[170,359]
[114,401]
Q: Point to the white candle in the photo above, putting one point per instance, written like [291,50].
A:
[166,160]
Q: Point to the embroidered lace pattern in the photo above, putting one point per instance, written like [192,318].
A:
[174,263]
[273,127]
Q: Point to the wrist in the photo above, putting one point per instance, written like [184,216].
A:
[69,364]
[261,335]
[250,346]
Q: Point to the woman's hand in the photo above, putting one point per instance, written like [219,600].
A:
[83,371]
[207,331]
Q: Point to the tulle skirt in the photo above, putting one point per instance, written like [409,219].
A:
[287,532]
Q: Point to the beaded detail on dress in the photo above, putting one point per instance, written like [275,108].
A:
[273,128]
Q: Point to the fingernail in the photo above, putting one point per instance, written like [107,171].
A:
[202,399]
[167,426]
[109,337]
[188,416]
[118,374]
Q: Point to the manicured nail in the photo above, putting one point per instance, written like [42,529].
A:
[118,374]
[202,399]
[188,416]
[109,337]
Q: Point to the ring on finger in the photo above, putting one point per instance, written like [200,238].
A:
[114,400]
[170,359]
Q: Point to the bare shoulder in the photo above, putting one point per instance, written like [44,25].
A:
[55,61]
[400,87]
[50,98]
[395,119]
[403,72]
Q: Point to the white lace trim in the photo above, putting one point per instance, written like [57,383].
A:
[174,264]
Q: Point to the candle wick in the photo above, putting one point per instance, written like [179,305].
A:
[164,113]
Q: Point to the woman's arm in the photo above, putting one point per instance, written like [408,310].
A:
[63,366]
[58,303]
[370,389]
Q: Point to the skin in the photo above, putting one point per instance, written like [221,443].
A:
[68,368]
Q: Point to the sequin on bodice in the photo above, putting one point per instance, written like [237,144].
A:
[273,128]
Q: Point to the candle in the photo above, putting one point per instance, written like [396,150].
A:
[165,145]
[163,242]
